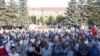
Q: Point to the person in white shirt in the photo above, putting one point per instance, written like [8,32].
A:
[32,40]
[6,36]
[13,52]
[7,45]
[30,49]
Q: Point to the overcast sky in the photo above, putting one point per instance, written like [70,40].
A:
[47,3]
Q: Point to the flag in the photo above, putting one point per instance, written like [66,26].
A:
[93,30]
[3,52]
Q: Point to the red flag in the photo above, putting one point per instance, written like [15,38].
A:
[93,30]
[3,52]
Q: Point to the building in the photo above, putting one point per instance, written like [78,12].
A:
[46,11]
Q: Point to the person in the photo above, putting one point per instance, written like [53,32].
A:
[7,45]
[30,49]
[58,50]
[46,51]
[6,36]
[1,39]
[76,47]
[37,49]
[19,48]
[83,48]
[94,51]
[13,52]
[70,52]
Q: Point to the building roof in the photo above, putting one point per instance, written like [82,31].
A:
[47,9]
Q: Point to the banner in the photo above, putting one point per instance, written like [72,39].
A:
[3,52]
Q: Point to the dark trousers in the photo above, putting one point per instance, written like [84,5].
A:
[77,53]
[30,54]
[60,54]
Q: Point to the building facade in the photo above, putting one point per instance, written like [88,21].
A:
[46,11]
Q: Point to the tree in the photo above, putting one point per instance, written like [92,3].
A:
[90,22]
[71,12]
[93,12]
[11,13]
[41,19]
[59,18]
[84,12]
[23,12]
[50,20]
[2,12]
[33,19]
[89,12]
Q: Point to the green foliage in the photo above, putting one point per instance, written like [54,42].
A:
[90,22]
[23,12]
[33,19]
[93,14]
[71,13]
[2,12]
[50,20]
[9,14]
[89,13]
[41,19]
[59,18]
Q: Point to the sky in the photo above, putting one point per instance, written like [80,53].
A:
[47,3]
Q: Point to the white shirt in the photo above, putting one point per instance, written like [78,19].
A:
[6,37]
[8,45]
[15,54]
[32,40]
[25,42]
[30,49]
[13,44]
[13,34]
[21,42]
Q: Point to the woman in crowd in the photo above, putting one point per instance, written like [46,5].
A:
[30,49]
[37,49]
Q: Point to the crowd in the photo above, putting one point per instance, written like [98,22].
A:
[75,42]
